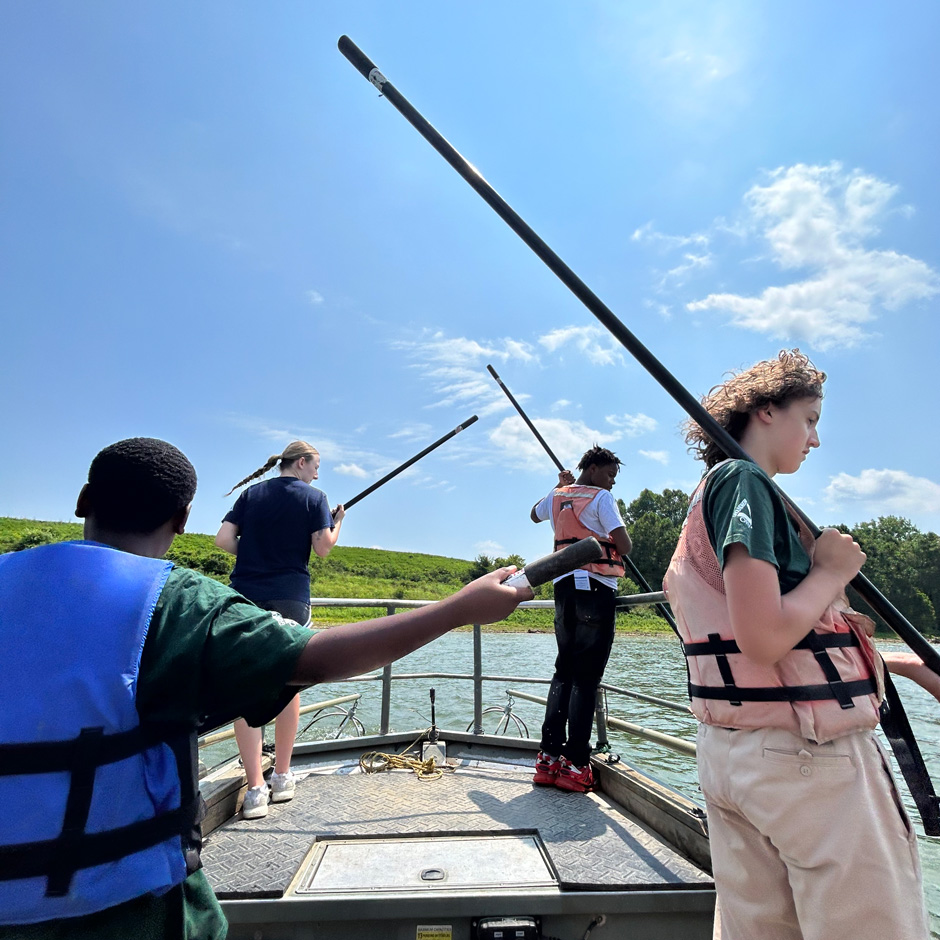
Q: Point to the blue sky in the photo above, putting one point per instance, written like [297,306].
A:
[214,231]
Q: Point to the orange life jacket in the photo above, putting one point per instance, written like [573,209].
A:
[830,684]
[568,503]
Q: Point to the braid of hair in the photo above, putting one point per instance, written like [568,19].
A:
[294,451]
[259,472]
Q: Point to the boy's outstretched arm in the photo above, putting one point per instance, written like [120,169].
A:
[356,648]
[911,666]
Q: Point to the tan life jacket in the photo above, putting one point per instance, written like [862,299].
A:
[568,503]
[830,684]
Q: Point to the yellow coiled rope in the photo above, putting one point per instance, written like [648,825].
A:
[376,762]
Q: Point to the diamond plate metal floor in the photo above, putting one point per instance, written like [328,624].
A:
[590,843]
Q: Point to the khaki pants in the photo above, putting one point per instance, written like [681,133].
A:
[809,841]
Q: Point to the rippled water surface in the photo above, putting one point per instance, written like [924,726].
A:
[652,665]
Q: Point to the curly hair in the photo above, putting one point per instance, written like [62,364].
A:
[598,455]
[779,381]
[138,484]
[294,451]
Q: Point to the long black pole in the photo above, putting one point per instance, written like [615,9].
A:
[408,463]
[878,602]
[525,418]
[637,574]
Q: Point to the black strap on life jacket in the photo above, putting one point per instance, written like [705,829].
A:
[73,849]
[606,544]
[818,643]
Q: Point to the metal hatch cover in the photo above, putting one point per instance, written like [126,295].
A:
[425,863]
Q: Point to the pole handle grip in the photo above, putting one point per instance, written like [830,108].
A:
[557,564]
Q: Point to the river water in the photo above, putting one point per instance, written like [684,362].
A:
[651,665]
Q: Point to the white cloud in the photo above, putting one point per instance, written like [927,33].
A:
[680,273]
[314,297]
[513,444]
[647,233]
[632,425]
[698,65]
[688,65]
[413,432]
[663,310]
[596,344]
[352,470]
[816,218]
[886,491]
[491,549]
[455,368]
[561,404]
[660,456]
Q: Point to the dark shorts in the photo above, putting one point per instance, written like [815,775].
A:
[297,611]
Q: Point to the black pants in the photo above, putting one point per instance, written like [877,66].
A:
[584,631]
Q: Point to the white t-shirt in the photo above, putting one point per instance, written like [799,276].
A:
[601,516]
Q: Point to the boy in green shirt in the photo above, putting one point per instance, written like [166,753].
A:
[207,652]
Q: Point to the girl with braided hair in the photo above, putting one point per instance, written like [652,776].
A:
[271,530]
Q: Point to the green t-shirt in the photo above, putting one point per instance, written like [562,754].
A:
[208,652]
[740,505]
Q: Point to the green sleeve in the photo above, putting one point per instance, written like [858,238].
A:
[211,652]
[741,507]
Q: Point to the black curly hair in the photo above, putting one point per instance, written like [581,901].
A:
[138,484]
[598,455]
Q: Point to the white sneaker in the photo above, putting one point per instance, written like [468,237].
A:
[256,803]
[282,787]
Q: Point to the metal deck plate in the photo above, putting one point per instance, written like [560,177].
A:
[590,844]
[425,864]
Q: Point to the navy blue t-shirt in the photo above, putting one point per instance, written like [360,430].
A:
[276,520]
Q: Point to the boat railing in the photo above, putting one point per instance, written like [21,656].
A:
[388,675]
[333,708]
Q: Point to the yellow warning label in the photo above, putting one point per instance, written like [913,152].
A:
[434,932]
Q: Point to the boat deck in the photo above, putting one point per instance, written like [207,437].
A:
[589,843]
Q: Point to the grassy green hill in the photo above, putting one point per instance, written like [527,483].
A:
[346,572]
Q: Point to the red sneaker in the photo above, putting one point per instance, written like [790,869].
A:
[546,770]
[575,779]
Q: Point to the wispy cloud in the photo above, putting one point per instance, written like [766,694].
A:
[413,432]
[885,491]
[314,298]
[632,425]
[339,456]
[696,257]
[352,470]
[660,456]
[647,233]
[663,310]
[594,343]
[491,549]
[690,65]
[454,367]
[691,264]
[816,218]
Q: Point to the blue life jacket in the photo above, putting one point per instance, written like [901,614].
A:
[96,809]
